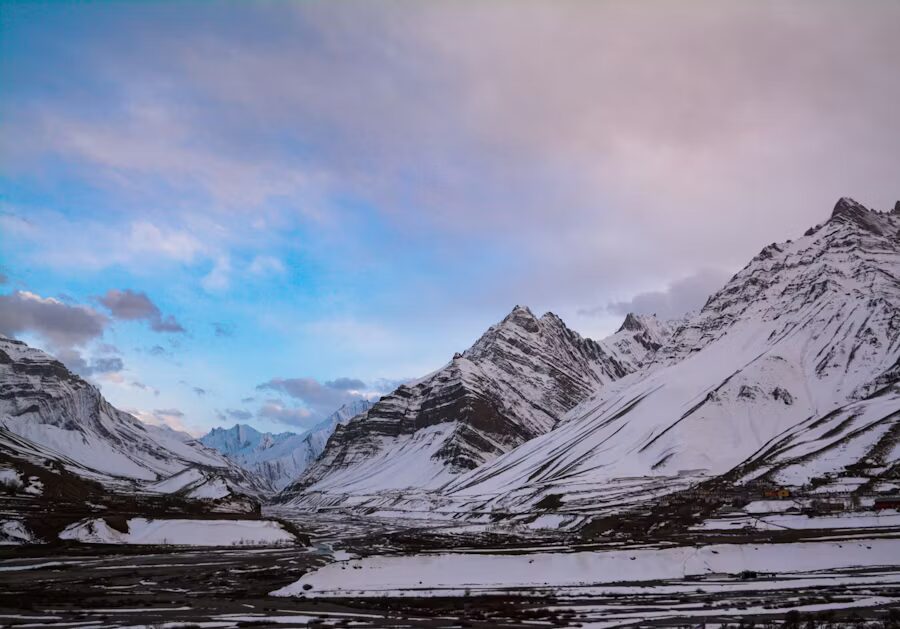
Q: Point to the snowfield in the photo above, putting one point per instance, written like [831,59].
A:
[181,532]
[456,574]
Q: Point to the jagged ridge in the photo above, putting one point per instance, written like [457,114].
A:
[512,385]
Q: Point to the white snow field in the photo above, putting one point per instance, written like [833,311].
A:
[181,532]
[458,574]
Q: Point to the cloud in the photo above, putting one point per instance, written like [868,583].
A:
[222,330]
[346,384]
[147,140]
[300,417]
[66,327]
[130,305]
[198,391]
[61,324]
[166,324]
[266,265]
[106,365]
[145,387]
[319,399]
[680,297]
[145,237]
[649,141]
[157,350]
[219,277]
[168,417]
[387,385]
[448,94]
[66,242]
[236,414]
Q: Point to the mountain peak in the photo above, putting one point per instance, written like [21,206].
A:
[514,383]
[846,210]
[237,429]
[552,318]
[521,316]
[632,322]
[520,311]
[848,207]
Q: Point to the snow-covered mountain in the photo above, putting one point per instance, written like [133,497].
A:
[512,385]
[279,458]
[52,419]
[789,374]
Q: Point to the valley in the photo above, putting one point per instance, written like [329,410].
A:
[466,580]
[739,464]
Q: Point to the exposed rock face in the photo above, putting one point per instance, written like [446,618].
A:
[47,413]
[279,458]
[513,384]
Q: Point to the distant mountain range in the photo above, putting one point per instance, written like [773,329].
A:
[279,458]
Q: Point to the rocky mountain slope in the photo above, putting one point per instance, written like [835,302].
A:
[788,375]
[51,419]
[279,458]
[512,385]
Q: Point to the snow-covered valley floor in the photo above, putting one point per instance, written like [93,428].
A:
[593,572]
[358,577]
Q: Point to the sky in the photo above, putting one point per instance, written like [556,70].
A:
[257,211]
